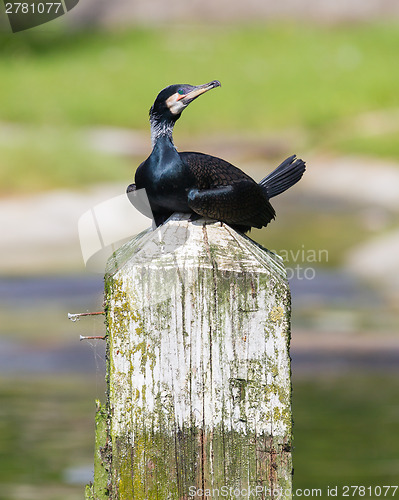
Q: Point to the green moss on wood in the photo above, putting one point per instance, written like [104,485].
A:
[101,455]
[99,489]
[89,495]
[153,456]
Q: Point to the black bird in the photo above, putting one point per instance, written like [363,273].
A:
[200,184]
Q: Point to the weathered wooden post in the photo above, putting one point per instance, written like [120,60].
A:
[199,390]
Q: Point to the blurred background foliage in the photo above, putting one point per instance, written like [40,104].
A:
[316,80]
[74,114]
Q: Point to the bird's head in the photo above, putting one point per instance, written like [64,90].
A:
[172,100]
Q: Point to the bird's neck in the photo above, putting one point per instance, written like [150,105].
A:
[161,128]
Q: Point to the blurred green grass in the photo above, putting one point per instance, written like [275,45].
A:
[42,158]
[275,75]
[384,145]
[309,78]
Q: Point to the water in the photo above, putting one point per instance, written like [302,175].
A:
[36,336]
[49,381]
[35,333]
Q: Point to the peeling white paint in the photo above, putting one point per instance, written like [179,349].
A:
[199,326]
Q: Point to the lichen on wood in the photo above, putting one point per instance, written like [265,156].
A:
[99,489]
[199,391]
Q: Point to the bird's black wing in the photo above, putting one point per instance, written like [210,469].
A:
[224,192]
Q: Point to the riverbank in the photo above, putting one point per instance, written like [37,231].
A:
[40,231]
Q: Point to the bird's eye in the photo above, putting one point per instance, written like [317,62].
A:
[180,91]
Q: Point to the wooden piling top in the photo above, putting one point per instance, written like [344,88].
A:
[199,389]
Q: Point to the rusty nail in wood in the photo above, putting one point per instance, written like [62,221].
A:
[77,316]
[92,337]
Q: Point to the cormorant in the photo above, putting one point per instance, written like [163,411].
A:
[200,184]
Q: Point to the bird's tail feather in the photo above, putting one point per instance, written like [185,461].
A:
[284,176]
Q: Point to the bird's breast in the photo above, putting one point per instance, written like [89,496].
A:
[166,185]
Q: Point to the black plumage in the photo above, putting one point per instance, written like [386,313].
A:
[201,184]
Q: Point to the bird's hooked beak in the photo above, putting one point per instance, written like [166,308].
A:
[185,99]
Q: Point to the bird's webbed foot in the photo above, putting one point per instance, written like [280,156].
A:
[193,217]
